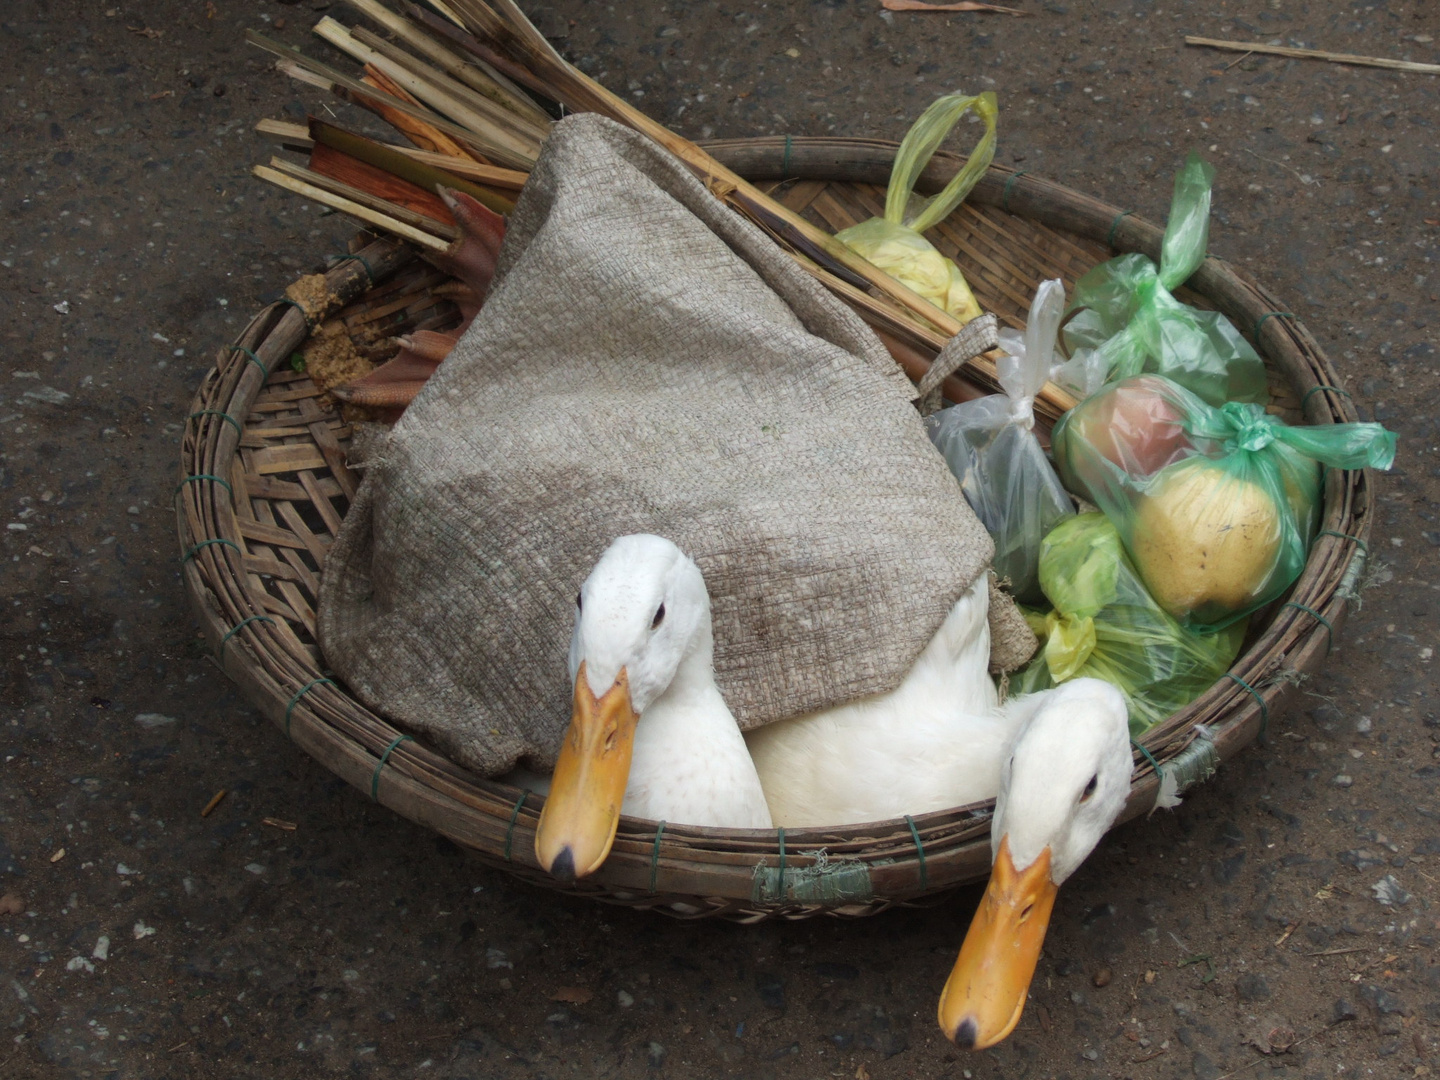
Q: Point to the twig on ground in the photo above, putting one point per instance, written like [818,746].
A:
[1314,54]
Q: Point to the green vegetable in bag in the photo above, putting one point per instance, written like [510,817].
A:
[1129,322]
[1105,625]
[1217,507]
[894,242]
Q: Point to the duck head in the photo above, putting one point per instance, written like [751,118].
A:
[1063,785]
[640,615]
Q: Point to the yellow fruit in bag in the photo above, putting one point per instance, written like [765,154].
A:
[1205,540]
[894,242]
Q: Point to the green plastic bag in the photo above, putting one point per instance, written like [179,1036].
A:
[1105,625]
[1216,507]
[893,242]
[1129,323]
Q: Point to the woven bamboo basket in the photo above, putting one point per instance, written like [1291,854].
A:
[264,487]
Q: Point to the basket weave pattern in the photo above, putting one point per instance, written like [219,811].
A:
[264,487]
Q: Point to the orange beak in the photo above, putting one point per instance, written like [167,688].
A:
[577,825]
[986,991]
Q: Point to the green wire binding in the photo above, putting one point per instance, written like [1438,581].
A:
[1270,315]
[369,273]
[250,356]
[1329,630]
[298,695]
[514,814]
[243,622]
[919,851]
[1333,389]
[223,415]
[205,476]
[1010,186]
[375,780]
[1364,548]
[1159,772]
[1110,236]
[206,543]
[659,832]
[1264,710]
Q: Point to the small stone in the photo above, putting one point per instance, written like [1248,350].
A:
[1090,1055]
[79,963]
[505,984]
[625,1000]
[142,931]
[1382,1000]
[1389,892]
[1251,987]
[1343,780]
[1342,1010]
[10,904]
[255,868]
[1102,977]
[102,948]
[153,719]
[496,958]
[655,1055]
[1204,1068]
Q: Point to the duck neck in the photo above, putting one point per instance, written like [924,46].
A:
[694,677]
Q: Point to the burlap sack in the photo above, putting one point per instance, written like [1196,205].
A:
[646,362]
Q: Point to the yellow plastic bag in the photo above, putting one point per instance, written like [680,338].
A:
[894,242]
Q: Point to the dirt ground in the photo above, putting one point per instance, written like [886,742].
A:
[154,943]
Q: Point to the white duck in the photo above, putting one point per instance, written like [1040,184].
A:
[651,736]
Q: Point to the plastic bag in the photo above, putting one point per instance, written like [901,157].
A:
[1105,625]
[990,446]
[1129,322]
[893,242]
[1216,507]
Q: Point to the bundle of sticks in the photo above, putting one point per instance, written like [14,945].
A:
[473,87]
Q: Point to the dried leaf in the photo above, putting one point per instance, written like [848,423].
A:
[10,904]
[572,995]
[963,5]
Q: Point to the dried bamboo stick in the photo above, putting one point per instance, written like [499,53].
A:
[489,175]
[452,64]
[1315,54]
[498,142]
[296,64]
[297,137]
[290,136]
[349,206]
[426,136]
[391,160]
[439,229]
[502,117]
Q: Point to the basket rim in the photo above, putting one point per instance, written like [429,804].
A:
[701,869]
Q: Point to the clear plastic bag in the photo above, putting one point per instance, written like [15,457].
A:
[1217,507]
[1105,625]
[1129,323]
[990,446]
[894,242]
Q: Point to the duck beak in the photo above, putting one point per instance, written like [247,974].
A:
[986,991]
[577,825]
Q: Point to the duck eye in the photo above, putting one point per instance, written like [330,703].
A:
[1089,789]
[659,617]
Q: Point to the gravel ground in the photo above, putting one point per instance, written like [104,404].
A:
[152,942]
